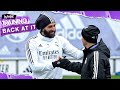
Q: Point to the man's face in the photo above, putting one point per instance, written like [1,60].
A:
[49,30]
[84,42]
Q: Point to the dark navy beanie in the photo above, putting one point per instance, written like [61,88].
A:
[90,34]
[43,20]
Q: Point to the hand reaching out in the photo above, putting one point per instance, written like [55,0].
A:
[61,62]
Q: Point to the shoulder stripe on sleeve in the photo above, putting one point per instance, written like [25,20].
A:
[29,53]
[30,56]
[95,64]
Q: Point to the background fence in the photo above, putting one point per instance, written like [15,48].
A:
[17,66]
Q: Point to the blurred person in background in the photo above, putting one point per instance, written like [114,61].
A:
[95,63]
[46,47]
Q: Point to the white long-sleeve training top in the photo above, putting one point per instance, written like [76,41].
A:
[42,51]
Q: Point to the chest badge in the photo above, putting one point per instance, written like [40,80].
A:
[56,44]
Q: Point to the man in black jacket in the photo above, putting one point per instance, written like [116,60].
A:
[95,63]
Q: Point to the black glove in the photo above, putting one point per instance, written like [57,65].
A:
[61,63]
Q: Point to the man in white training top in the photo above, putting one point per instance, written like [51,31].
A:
[46,47]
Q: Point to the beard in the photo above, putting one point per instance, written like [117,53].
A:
[49,34]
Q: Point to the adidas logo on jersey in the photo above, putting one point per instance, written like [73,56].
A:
[40,45]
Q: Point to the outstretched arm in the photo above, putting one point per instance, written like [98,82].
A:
[66,64]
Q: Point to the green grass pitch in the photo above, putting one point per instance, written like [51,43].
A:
[78,77]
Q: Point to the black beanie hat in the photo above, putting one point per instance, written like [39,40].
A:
[43,20]
[90,34]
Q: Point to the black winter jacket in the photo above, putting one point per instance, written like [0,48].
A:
[95,63]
